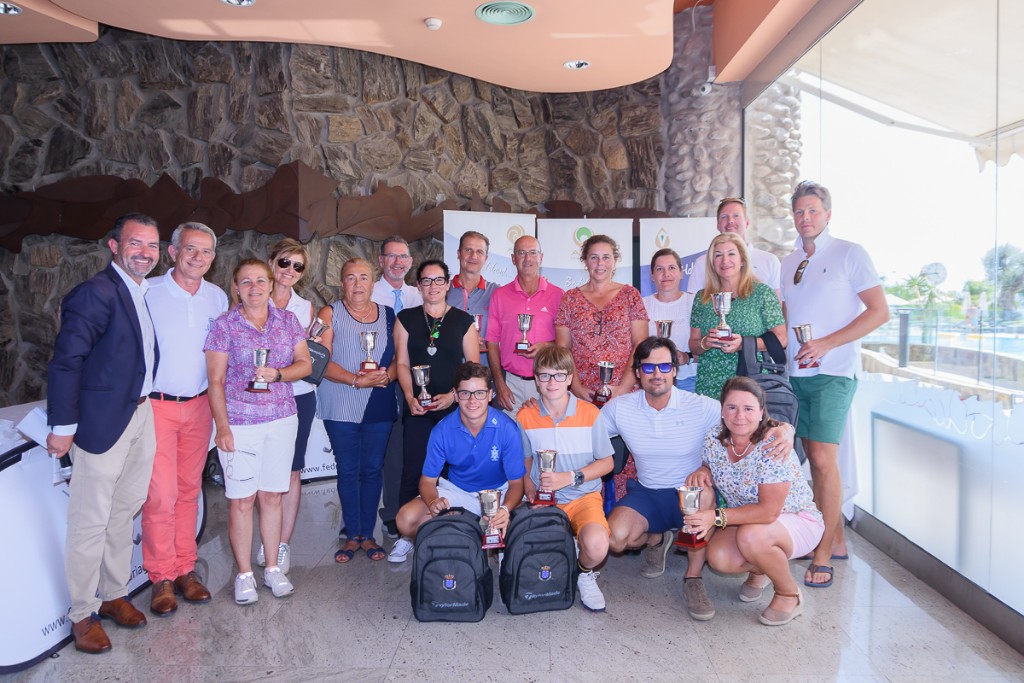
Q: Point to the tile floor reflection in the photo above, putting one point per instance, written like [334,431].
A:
[354,623]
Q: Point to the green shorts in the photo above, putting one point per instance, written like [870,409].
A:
[824,402]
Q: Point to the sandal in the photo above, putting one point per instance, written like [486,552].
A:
[776,617]
[751,592]
[813,569]
[372,550]
[347,552]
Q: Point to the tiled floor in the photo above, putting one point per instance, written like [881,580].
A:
[354,622]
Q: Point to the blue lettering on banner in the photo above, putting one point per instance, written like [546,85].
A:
[449,582]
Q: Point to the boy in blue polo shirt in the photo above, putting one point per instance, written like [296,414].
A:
[483,450]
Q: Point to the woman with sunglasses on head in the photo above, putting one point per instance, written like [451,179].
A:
[288,259]
[755,310]
[254,416]
[441,337]
[771,517]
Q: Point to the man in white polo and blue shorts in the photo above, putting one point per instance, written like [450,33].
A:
[483,450]
[664,429]
[831,285]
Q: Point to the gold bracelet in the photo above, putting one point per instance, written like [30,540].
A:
[725,518]
[702,343]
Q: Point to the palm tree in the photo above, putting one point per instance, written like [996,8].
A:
[1004,265]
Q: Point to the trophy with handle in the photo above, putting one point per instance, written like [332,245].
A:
[689,503]
[525,322]
[545,463]
[664,328]
[421,375]
[259,359]
[605,369]
[803,335]
[368,342]
[490,500]
[722,301]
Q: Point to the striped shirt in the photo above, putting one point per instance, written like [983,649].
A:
[579,437]
[666,444]
[344,403]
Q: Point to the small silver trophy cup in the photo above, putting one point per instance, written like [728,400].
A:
[316,328]
[803,335]
[664,328]
[421,375]
[490,499]
[605,369]
[525,321]
[259,359]
[368,342]
[545,463]
[722,301]
[689,503]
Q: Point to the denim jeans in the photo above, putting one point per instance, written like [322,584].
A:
[359,455]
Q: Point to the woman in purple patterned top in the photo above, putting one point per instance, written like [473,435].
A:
[255,429]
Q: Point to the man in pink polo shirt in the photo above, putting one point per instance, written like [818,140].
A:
[528,293]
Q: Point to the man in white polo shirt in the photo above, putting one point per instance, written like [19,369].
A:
[831,285]
[182,305]
[732,217]
[664,429]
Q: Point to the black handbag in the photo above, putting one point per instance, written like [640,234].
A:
[321,356]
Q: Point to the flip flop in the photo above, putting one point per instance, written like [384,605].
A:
[819,569]
[374,551]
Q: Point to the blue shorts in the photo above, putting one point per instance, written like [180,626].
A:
[660,507]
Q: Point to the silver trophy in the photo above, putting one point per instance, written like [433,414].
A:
[545,463]
[316,328]
[525,322]
[421,375]
[605,369]
[664,328]
[689,503]
[368,342]
[722,301]
[259,359]
[803,335]
[490,500]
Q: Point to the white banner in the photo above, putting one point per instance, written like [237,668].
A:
[561,239]
[502,229]
[689,237]
[319,456]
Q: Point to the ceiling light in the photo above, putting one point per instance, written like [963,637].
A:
[9,10]
[239,3]
[504,13]
[577,64]
[433,23]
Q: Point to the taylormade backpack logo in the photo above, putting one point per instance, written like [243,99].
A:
[538,596]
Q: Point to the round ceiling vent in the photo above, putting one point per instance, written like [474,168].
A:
[504,13]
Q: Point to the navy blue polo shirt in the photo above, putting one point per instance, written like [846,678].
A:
[487,461]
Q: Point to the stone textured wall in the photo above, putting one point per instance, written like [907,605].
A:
[703,157]
[773,166]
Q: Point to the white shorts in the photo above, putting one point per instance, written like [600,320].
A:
[457,498]
[805,530]
[262,459]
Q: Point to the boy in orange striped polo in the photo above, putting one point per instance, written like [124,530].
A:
[563,423]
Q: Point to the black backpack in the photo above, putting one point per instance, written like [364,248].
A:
[539,571]
[451,580]
[772,375]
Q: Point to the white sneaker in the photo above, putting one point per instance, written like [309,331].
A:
[284,557]
[400,550]
[590,595]
[276,581]
[245,589]
[261,557]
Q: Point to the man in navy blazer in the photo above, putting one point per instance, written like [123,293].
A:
[101,374]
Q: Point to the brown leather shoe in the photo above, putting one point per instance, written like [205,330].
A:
[90,637]
[163,602]
[123,613]
[191,588]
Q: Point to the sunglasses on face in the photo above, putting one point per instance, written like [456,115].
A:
[426,281]
[285,263]
[663,368]
[799,274]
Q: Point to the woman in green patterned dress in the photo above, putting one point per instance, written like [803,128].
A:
[755,311]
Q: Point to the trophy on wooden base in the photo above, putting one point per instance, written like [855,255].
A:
[545,463]
[689,503]
[259,359]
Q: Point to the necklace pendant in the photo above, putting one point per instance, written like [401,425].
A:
[431,350]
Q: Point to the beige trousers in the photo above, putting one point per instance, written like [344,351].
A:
[522,390]
[107,491]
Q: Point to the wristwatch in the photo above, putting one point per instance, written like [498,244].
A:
[719,521]
[577,478]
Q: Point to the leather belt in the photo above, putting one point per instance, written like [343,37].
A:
[159,396]
[528,379]
[142,399]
